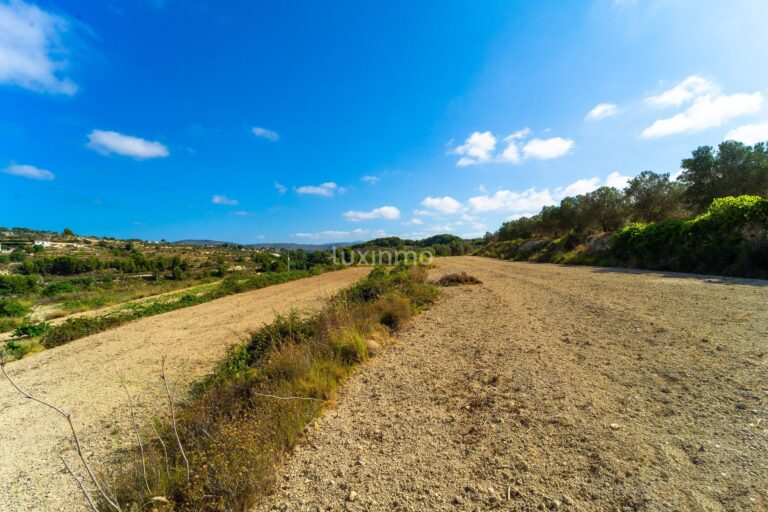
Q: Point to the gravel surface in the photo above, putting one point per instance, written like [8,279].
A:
[87,375]
[553,388]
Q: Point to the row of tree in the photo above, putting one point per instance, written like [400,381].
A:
[733,169]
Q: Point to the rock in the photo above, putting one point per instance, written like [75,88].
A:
[352,496]
[457,500]
[615,426]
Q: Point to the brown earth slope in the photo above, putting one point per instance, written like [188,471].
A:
[551,387]
[86,377]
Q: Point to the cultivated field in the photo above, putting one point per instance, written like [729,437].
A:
[87,375]
[549,387]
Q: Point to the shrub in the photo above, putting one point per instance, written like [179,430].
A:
[392,311]
[253,408]
[13,308]
[32,330]
[17,285]
[461,278]
[75,328]
[713,242]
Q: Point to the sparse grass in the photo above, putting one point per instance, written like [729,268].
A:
[241,420]
[462,278]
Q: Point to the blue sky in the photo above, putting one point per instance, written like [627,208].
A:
[310,121]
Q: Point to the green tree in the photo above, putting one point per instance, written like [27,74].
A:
[605,208]
[68,232]
[653,197]
[733,169]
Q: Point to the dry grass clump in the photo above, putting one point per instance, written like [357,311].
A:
[458,279]
[240,421]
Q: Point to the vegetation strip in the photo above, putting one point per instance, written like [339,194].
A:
[712,218]
[75,328]
[220,450]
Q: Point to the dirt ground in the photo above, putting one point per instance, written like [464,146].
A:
[554,388]
[87,375]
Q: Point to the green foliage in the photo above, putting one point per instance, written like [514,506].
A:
[17,285]
[13,308]
[653,197]
[31,330]
[733,169]
[76,328]
[714,242]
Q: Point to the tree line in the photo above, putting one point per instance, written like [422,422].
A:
[731,169]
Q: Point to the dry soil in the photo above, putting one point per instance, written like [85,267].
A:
[550,387]
[86,377]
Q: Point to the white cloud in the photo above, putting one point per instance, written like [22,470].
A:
[683,92]
[601,111]
[509,201]
[531,201]
[328,189]
[424,213]
[446,205]
[371,180]
[545,149]
[617,180]
[511,153]
[219,199]
[477,149]
[480,148]
[108,142]
[265,133]
[384,212]
[578,187]
[280,188]
[30,48]
[708,108]
[413,222]
[749,134]
[240,213]
[339,234]
[30,172]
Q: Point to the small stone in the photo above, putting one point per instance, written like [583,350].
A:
[567,500]
[615,426]
[352,496]
[457,500]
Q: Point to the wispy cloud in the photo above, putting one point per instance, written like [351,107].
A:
[30,172]
[264,133]
[109,142]
[384,212]
[220,199]
[328,189]
[338,235]
[371,180]
[708,107]
[280,188]
[601,111]
[30,48]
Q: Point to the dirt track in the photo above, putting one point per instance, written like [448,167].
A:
[85,377]
[548,387]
